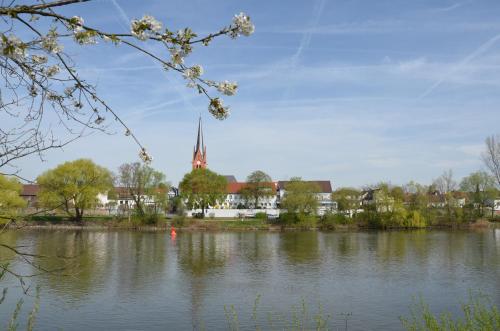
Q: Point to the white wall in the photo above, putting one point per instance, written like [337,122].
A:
[234,213]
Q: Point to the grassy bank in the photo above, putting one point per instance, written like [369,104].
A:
[285,223]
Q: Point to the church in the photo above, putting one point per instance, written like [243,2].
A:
[234,204]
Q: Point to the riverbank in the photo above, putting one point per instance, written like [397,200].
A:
[185,224]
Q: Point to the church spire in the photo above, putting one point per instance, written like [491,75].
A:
[200,151]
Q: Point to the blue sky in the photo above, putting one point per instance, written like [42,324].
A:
[352,91]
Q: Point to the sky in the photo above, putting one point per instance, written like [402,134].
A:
[355,92]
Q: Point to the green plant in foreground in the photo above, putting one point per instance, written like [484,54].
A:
[478,314]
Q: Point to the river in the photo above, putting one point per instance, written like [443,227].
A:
[125,280]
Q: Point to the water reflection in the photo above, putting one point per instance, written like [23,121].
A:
[140,280]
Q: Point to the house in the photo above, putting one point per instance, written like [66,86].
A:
[30,193]
[236,200]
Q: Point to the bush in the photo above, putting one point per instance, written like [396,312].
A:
[148,219]
[306,221]
[415,220]
[330,221]
[179,220]
[261,216]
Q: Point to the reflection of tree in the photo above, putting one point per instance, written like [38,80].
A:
[140,259]
[300,247]
[80,255]
[199,256]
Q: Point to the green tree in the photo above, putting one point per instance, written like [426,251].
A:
[347,198]
[481,188]
[10,199]
[202,187]
[300,197]
[74,186]
[146,186]
[259,185]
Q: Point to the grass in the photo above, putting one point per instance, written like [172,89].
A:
[478,314]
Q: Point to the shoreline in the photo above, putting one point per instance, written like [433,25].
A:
[230,226]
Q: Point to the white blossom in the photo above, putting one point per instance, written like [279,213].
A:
[193,72]
[227,88]
[52,70]
[217,109]
[11,46]
[49,43]
[85,37]
[76,23]
[140,28]
[177,56]
[145,157]
[39,59]
[244,25]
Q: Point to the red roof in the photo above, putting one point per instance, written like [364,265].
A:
[234,188]
[30,190]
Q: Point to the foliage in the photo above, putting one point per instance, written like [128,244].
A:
[300,197]
[258,186]
[73,186]
[481,189]
[261,216]
[37,74]
[201,188]
[478,314]
[179,220]
[146,186]
[10,199]
[329,221]
[347,199]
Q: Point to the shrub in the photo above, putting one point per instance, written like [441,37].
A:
[305,221]
[330,221]
[179,220]
[148,219]
[415,220]
[261,216]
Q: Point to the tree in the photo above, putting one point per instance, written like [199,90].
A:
[491,156]
[202,187]
[300,197]
[347,198]
[445,183]
[146,186]
[259,185]
[38,75]
[10,199]
[74,186]
[481,188]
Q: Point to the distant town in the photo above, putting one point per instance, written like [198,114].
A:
[418,205]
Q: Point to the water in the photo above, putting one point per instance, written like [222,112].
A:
[121,280]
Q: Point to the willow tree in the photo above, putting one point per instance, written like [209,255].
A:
[10,199]
[41,85]
[74,186]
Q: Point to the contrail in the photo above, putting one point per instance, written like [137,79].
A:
[479,51]
[305,41]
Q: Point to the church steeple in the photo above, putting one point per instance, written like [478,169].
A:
[200,151]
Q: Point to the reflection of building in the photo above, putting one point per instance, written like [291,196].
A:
[200,151]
